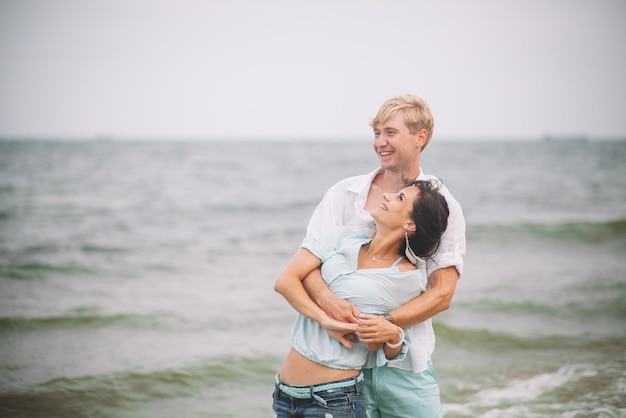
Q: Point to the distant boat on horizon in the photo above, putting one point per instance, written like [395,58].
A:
[566,138]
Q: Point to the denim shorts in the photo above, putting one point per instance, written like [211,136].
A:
[339,399]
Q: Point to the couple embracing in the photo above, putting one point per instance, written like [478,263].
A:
[382,254]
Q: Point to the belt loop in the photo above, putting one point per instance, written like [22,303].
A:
[318,398]
[276,387]
[356,384]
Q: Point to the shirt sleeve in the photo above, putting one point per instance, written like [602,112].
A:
[326,215]
[326,243]
[382,360]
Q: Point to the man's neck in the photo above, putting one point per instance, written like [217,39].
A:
[394,180]
[387,181]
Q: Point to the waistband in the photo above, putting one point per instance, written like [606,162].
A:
[307,392]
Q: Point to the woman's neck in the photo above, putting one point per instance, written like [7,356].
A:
[383,248]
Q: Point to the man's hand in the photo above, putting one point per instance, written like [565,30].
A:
[374,330]
[336,308]
[345,313]
[339,309]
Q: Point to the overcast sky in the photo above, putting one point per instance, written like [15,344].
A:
[490,69]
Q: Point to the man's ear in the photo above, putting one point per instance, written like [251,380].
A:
[409,226]
[421,138]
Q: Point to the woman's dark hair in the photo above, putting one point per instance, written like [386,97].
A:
[430,215]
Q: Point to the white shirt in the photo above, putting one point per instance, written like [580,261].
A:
[343,205]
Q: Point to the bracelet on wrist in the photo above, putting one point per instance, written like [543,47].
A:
[399,343]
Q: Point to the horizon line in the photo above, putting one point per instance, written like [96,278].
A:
[247,138]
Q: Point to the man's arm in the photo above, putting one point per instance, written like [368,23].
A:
[436,299]
[336,308]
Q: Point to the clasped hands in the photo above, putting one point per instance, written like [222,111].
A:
[345,324]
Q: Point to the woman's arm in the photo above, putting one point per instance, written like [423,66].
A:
[289,284]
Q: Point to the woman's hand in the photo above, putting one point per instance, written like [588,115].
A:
[341,331]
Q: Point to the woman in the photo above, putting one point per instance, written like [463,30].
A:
[322,371]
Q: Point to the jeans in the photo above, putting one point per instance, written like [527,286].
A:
[342,402]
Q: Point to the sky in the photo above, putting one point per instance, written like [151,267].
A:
[280,69]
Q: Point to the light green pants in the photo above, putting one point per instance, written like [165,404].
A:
[395,393]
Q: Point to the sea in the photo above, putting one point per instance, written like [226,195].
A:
[136,277]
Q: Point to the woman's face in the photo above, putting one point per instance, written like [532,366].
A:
[396,208]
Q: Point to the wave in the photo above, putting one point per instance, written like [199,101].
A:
[608,307]
[208,373]
[591,232]
[265,207]
[37,270]
[484,340]
[17,324]
[92,248]
[532,393]
[118,394]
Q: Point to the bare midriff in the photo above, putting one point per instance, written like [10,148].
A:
[297,370]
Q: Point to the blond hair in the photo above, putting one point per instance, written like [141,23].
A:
[417,115]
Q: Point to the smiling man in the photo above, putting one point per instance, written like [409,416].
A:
[402,128]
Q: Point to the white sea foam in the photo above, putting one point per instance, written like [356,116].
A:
[521,397]
[524,390]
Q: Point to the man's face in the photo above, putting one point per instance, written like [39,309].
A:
[395,146]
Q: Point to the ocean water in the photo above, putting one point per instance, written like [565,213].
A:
[136,278]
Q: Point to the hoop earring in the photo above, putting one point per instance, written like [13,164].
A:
[410,255]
